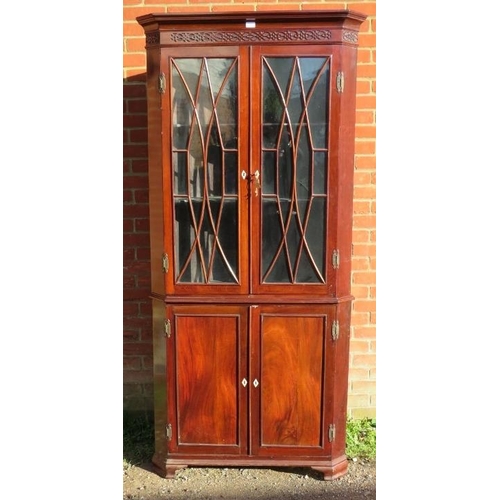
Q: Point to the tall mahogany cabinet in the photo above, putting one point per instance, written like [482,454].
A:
[251,145]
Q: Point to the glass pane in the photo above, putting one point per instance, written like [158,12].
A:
[293,238]
[295,105]
[224,77]
[204,103]
[310,68]
[304,154]
[182,107]
[319,173]
[314,257]
[187,253]
[318,111]
[269,172]
[285,167]
[214,164]
[281,68]
[225,265]
[218,70]
[272,235]
[303,211]
[196,166]
[190,70]
[230,173]
[180,173]
[272,110]
[284,209]
[279,271]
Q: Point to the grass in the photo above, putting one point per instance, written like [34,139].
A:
[361,439]
[138,439]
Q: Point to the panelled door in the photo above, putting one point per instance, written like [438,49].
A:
[293,144]
[207,376]
[250,158]
[206,152]
[292,384]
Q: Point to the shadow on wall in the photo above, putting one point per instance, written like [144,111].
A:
[137,316]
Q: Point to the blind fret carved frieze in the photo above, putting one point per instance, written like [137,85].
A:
[350,36]
[152,38]
[251,36]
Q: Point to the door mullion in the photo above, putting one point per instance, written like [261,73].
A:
[253,164]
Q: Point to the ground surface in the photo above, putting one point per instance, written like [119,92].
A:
[140,482]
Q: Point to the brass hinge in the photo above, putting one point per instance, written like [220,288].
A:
[335,330]
[336,259]
[167,328]
[161,83]
[168,432]
[340,82]
[331,433]
[164,264]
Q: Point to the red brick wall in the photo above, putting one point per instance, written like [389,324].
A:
[137,343]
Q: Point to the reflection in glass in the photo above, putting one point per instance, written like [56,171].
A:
[269,178]
[205,169]
[295,117]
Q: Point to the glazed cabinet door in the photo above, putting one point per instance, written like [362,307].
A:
[205,165]
[295,119]
[207,386]
[292,380]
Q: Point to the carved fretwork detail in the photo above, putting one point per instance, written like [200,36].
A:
[153,38]
[350,36]
[250,36]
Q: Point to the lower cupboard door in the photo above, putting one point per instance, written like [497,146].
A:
[292,381]
[206,400]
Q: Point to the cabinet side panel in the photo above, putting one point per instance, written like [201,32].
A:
[156,223]
[346,170]
[159,373]
[341,377]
